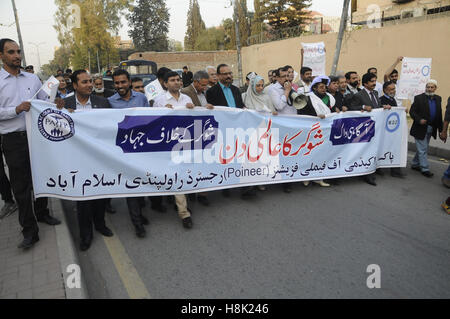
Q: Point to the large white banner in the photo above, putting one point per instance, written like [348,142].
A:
[314,56]
[160,151]
[413,78]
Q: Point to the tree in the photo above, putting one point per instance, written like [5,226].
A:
[60,61]
[257,24]
[175,46]
[211,39]
[98,19]
[244,21]
[230,34]
[149,22]
[284,13]
[194,24]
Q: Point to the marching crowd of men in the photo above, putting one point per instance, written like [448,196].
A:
[206,88]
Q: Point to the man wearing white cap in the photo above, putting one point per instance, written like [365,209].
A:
[426,112]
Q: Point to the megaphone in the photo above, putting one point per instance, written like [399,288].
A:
[299,101]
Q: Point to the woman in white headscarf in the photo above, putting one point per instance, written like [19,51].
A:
[256,98]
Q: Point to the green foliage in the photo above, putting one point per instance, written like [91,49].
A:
[194,24]
[149,22]
[60,61]
[257,23]
[244,21]
[281,14]
[230,34]
[99,18]
[175,46]
[211,39]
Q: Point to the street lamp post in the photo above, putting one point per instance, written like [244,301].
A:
[19,34]
[37,48]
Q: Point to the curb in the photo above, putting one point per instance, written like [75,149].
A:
[66,251]
[432,150]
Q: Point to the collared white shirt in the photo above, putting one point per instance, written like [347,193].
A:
[166,98]
[399,102]
[201,97]
[81,107]
[276,93]
[304,88]
[352,89]
[13,91]
[379,89]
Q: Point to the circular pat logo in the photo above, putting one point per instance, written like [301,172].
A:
[55,125]
[393,122]
[426,70]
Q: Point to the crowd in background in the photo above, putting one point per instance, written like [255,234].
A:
[282,94]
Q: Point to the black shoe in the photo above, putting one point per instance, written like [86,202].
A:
[160,208]
[203,200]
[416,168]
[370,180]
[226,193]
[49,220]
[287,189]
[396,172]
[85,244]
[187,222]
[109,209]
[141,201]
[144,220]
[140,231]
[379,172]
[248,195]
[105,232]
[427,174]
[29,242]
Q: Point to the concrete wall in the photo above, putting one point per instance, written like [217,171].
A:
[195,60]
[365,48]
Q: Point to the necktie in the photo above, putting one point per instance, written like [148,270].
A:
[374,100]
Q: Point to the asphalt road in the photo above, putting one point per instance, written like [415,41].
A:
[313,243]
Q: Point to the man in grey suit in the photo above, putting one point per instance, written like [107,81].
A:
[196,91]
[366,100]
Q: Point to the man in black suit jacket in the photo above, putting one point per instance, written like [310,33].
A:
[91,212]
[389,91]
[216,94]
[366,100]
[83,96]
[426,112]
[224,93]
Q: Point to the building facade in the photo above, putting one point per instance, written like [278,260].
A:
[388,10]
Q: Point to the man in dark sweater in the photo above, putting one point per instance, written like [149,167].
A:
[426,112]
